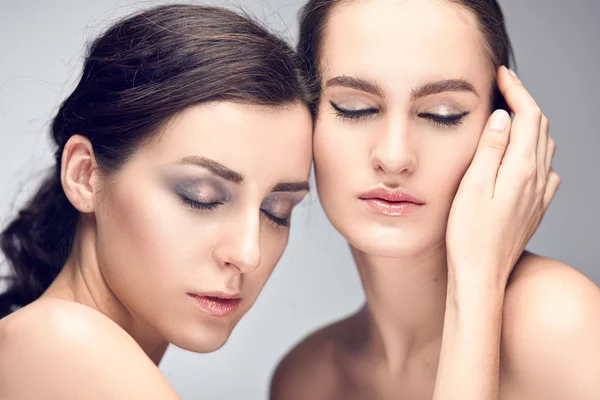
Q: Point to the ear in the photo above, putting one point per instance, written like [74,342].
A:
[78,173]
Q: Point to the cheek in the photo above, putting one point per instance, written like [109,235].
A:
[339,152]
[273,243]
[141,239]
[447,161]
[325,156]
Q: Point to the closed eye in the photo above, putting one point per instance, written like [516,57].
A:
[353,114]
[277,221]
[445,120]
[197,205]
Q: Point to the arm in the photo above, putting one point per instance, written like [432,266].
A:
[469,357]
[499,205]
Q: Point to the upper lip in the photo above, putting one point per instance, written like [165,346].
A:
[393,195]
[220,295]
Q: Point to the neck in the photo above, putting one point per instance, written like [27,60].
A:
[81,280]
[406,300]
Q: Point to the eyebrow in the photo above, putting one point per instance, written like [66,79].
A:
[290,187]
[235,177]
[448,85]
[431,88]
[216,168]
[360,84]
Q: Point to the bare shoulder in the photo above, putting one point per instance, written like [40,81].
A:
[73,351]
[551,331]
[54,323]
[311,370]
[552,292]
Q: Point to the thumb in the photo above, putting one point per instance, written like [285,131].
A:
[490,151]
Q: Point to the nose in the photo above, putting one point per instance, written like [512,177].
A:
[240,247]
[392,153]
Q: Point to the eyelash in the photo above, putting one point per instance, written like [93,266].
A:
[278,222]
[353,114]
[196,205]
[445,121]
[438,120]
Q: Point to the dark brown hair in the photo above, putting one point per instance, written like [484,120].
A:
[139,74]
[313,21]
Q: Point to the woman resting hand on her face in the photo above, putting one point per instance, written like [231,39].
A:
[158,225]
[437,214]
[179,157]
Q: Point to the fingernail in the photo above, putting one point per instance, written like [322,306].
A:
[499,120]
[513,73]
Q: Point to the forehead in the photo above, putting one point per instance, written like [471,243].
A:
[259,142]
[408,39]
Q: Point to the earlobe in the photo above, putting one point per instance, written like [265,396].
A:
[78,166]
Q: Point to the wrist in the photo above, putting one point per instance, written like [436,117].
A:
[475,292]
[468,277]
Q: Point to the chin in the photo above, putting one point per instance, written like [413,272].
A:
[201,339]
[392,241]
[385,248]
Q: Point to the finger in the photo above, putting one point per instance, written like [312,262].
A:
[552,185]
[490,152]
[551,189]
[542,149]
[550,152]
[527,116]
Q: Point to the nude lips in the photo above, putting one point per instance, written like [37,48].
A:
[217,305]
[394,203]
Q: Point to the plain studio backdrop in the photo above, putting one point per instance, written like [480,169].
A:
[558,56]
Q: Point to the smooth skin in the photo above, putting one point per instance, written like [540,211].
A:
[143,245]
[447,316]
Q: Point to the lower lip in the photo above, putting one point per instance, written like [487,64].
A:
[216,306]
[392,208]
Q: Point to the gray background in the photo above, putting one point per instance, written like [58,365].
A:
[558,54]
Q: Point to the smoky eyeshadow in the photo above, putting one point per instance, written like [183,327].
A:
[205,190]
[279,205]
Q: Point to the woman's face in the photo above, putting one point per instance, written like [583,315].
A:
[406,92]
[189,230]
